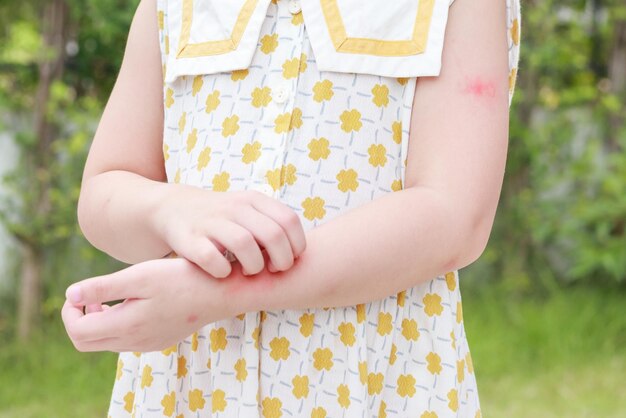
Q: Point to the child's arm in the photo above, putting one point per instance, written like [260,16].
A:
[442,221]
[124,174]
[128,210]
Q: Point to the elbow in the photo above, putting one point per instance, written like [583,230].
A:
[83,216]
[477,238]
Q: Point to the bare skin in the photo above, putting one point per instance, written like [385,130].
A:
[439,222]
[126,207]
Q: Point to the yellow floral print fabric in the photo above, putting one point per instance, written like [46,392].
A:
[322,142]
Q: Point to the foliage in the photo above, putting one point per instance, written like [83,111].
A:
[563,209]
[97,33]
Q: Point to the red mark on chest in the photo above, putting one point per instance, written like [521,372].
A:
[478,87]
[192,318]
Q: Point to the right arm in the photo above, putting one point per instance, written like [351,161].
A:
[127,208]
[124,179]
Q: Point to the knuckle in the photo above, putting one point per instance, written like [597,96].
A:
[242,197]
[100,290]
[208,256]
[291,219]
[242,240]
[196,229]
[275,234]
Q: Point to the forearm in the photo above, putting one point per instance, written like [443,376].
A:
[385,246]
[116,214]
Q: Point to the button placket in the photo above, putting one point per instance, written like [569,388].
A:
[294,7]
[283,95]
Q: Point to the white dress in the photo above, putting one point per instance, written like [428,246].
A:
[246,106]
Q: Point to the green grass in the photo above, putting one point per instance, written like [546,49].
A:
[50,379]
[560,357]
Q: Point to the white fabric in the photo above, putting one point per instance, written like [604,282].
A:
[214,20]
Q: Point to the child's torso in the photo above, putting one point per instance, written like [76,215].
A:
[322,142]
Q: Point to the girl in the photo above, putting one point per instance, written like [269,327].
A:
[297,184]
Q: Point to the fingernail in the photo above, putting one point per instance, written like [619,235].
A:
[74,294]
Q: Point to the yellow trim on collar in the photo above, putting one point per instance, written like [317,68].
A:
[187,50]
[380,47]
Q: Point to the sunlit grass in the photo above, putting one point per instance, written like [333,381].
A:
[560,357]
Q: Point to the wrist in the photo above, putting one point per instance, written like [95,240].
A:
[160,218]
[247,293]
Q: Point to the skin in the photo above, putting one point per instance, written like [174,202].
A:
[439,222]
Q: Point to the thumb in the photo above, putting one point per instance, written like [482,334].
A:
[123,284]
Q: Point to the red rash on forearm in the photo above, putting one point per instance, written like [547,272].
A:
[237,282]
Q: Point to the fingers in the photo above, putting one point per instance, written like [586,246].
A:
[269,234]
[97,326]
[207,256]
[241,242]
[93,307]
[123,284]
[286,218]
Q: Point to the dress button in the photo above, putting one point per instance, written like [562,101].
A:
[294,7]
[280,94]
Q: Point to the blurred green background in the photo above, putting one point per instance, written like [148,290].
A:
[544,306]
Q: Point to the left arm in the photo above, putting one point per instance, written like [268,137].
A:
[441,220]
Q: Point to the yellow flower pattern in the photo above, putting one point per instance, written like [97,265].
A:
[280,348]
[300,386]
[212,101]
[347,330]
[323,90]
[146,376]
[318,149]
[323,359]
[323,143]
[261,96]
[269,43]
[343,395]
[272,408]
[169,403]
[218,339]
[380,94]
[351,120]
[314,208]
[251,152]
[230,126]
[218,401]
[347,180]
[240,369]
[306,324]
[196,400]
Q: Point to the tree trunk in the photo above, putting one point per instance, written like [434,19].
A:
[617,75]
[54,35]
[30,291]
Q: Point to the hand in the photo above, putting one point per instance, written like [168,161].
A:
[165,301]
[199,224]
